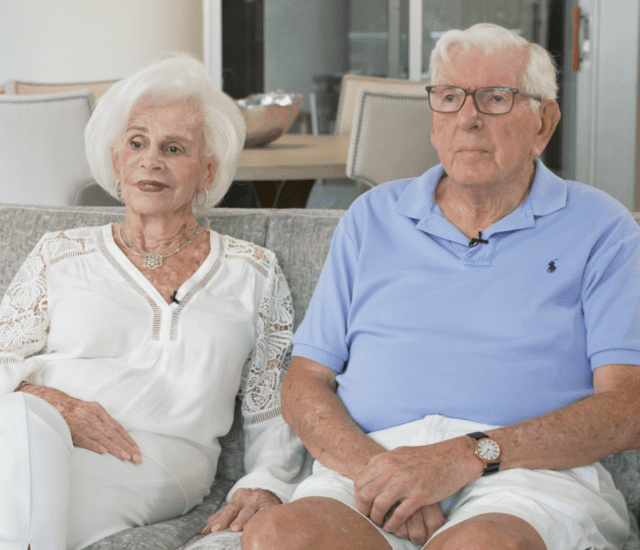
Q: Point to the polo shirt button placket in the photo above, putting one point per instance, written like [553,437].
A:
[481,254]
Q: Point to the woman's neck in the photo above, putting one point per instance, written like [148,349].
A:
[158,233]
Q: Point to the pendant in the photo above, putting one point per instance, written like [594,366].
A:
[153,261]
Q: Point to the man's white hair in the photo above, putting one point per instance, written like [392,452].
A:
[181,78]
[539,77]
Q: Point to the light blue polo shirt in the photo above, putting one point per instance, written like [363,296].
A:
[417,322]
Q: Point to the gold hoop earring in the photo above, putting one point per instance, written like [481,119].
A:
[118,192]
[206,198]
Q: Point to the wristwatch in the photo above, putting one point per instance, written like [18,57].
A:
[488,451]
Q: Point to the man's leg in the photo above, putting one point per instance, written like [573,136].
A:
[488,532]
[313,523]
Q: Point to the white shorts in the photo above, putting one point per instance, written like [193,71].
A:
[571,509]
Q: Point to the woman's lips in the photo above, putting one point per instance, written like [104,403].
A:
[150,185]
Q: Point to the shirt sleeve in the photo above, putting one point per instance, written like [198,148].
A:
[325,342]
[275,458]
[611,295]
[24,320]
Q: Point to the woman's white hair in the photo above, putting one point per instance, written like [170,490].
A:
[539,77]
[179,78]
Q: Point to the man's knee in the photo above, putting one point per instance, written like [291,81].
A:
[272,528]
[489,532]
[314,523]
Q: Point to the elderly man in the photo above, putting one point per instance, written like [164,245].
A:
[471,349]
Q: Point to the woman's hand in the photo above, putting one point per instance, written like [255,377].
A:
[90,425]
[244,504]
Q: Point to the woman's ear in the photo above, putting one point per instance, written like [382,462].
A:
[549,119]
[211,171]
[115,163]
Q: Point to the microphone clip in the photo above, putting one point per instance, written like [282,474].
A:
[478,240]
[174,299]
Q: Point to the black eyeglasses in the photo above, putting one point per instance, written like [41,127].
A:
[490,101]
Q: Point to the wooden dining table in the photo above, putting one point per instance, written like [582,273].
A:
[283,172]
[295,157]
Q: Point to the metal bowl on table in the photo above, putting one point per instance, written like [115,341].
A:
[268,116]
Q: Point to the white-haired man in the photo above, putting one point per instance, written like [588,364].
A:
[472,347]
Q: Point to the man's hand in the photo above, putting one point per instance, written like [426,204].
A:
[244,504]
[90,425]
[423,523]
[414,477]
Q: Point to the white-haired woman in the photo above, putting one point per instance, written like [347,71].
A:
[123,347]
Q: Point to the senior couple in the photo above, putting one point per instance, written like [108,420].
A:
[470,353]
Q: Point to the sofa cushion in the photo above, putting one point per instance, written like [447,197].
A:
[301,240]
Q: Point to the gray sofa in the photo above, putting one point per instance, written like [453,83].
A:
[300,239]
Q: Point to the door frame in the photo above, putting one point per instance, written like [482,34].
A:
[606,124]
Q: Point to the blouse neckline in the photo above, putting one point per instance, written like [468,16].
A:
[190,284]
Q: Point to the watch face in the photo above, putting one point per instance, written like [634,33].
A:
[488,449]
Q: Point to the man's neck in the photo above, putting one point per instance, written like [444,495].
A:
[474,208]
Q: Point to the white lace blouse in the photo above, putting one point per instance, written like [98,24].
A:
[80,317]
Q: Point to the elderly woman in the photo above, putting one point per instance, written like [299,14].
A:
[123,347]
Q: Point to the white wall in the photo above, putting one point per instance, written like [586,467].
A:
[82,40]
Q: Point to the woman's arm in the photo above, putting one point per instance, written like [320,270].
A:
[275,459]
[90,425]
[24,324]
[24,321]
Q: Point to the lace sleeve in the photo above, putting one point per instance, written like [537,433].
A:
[24,311]
[264,370]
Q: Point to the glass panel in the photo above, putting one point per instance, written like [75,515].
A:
[525,17]
[310,44]
[379,37]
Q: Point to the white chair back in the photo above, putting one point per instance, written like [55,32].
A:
[20,87]
[42,153]
[390,138]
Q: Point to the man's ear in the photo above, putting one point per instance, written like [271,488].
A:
[549,118]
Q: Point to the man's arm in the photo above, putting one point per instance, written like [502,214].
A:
[319,418]
[576,435]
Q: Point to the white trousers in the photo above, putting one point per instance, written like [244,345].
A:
[54,496]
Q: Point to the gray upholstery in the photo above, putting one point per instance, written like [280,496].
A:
[300,239]
[390,138]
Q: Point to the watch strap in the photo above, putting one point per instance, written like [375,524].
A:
[478,435]
[492,468]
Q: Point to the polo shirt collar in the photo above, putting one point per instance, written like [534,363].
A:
[548,194]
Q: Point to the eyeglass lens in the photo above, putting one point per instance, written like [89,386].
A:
[446,99]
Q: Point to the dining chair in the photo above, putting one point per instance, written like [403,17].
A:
[42,153]
[390,138]
[352,84]
[19,87]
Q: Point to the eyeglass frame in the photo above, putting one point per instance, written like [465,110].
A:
[472,93]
